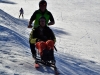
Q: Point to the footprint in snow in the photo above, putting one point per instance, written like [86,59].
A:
[12,56]
[14,60]
[0,62]
[92,62]
[16,74]
[7,66]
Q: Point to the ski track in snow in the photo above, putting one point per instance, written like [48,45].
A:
[15,54]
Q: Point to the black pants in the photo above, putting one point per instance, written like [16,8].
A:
[48,55]
[32,47]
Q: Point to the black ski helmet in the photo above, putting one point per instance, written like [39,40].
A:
[42,2]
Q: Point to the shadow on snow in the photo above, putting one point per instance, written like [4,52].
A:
[59,31]
[10,35]
[7,2]
[72,66]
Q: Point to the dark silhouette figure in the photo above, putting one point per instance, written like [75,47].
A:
[21,12]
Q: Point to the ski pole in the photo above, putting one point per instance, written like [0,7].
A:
[55,48]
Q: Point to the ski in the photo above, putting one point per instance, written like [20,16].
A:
[38,61]
[55,69]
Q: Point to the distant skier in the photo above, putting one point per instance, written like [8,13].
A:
[21,13]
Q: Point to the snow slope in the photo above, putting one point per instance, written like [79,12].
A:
[77,30]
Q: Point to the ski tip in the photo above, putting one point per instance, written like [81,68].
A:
[36,65]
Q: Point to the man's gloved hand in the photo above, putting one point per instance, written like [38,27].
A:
[29,26]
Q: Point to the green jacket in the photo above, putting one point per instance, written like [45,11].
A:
[37,14]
